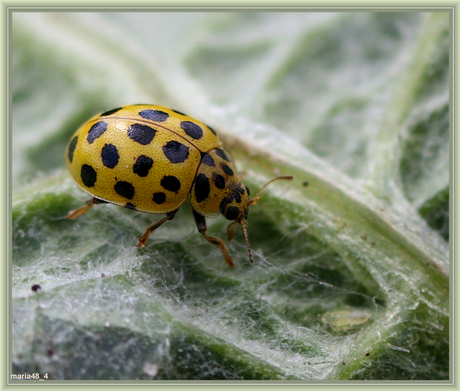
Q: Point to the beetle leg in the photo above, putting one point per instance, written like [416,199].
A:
[73,214]
[153,227]
[231,231]
[202,228]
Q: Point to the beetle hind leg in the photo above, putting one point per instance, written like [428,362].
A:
[153,227]
[202,228]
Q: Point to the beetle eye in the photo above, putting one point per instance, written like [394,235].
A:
[232,213]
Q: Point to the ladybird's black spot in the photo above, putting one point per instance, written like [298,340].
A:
[192,129]
[159,198]
[96,131]
[225,201]
[142,134]
[142,166]
[219,181]
[110,155]
[179,112]
[232,213]
[227,169]
[202,187]
[170,183]
[233,196]
[125,189]
[247,189]
[72,146]
[88,175]
[236,194]
[130,206]
[211,129]
[221,153]
[154,115]
[175,151]
[208,160]
[110,112]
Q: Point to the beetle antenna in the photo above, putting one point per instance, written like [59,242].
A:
[254,200]
[248,245]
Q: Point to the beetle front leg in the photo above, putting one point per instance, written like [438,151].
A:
[202,228]
[231,231]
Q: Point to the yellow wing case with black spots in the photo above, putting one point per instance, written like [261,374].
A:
[142,157]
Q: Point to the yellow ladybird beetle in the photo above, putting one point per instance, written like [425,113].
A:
[151,158]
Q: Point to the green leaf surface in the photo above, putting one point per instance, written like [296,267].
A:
[351,274]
